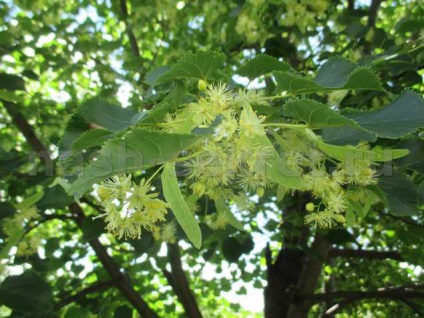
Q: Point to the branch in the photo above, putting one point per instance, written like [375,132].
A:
[179,283]
[133,41]
[364,254]
[350,5]
[384,293]
[97,287]
[27,130]
[310,276]
[404,220]
[372,16]
[124,284]
[348,297]
[48,217]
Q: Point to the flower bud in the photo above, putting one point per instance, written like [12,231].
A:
[201,85]
[310,207]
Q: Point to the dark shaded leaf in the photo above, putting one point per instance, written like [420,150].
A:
[105,114]
[139,149]
[401,194]
[54,198]
[26,293]
[90,139]
[262,64]
[201,65]
[401,117]
[11,82]
[92,228]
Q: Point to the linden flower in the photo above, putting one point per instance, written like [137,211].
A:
[242,201]
[251,180]
[218,222]
[9,226]
[250,96]
[155,210]
[359,172]
[139,195]
[143,210]
[27,214]
[339,176]
[117,186]
[324,219]
[259,157]
[29,247]
[242,149]
[226,129]
[202,112]
[336,202]
[169,233]
[317,181]
[219,96]
[196,167]
[250,123]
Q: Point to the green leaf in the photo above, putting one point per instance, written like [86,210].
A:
[75,311]
[421,194]
[26,293]
[201,65]
[336,74]
[350,218]
[105,114]
[401,194]
[75,127]
[6,210]
[10,96]
[316,115]
[11,82]
[92,228]
[403,116]
[276,169]
[152,76]
[31,200]
[156,114]
[260,65]
[415,159]
[172,194]
[139,149]
[123,312]
[350,152]
[348,135]
[54,198]
[90,139]
[223,208]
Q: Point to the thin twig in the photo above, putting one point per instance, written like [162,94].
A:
[95,288]
[364,254]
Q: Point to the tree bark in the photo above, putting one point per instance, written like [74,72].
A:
[283,275]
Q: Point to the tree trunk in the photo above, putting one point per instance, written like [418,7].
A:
[283,275]
[294,273]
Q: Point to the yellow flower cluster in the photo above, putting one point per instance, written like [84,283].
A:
[233,154]
[303,13]
[129,207]
[332,190]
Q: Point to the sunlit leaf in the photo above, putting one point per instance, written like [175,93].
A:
[179,207]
